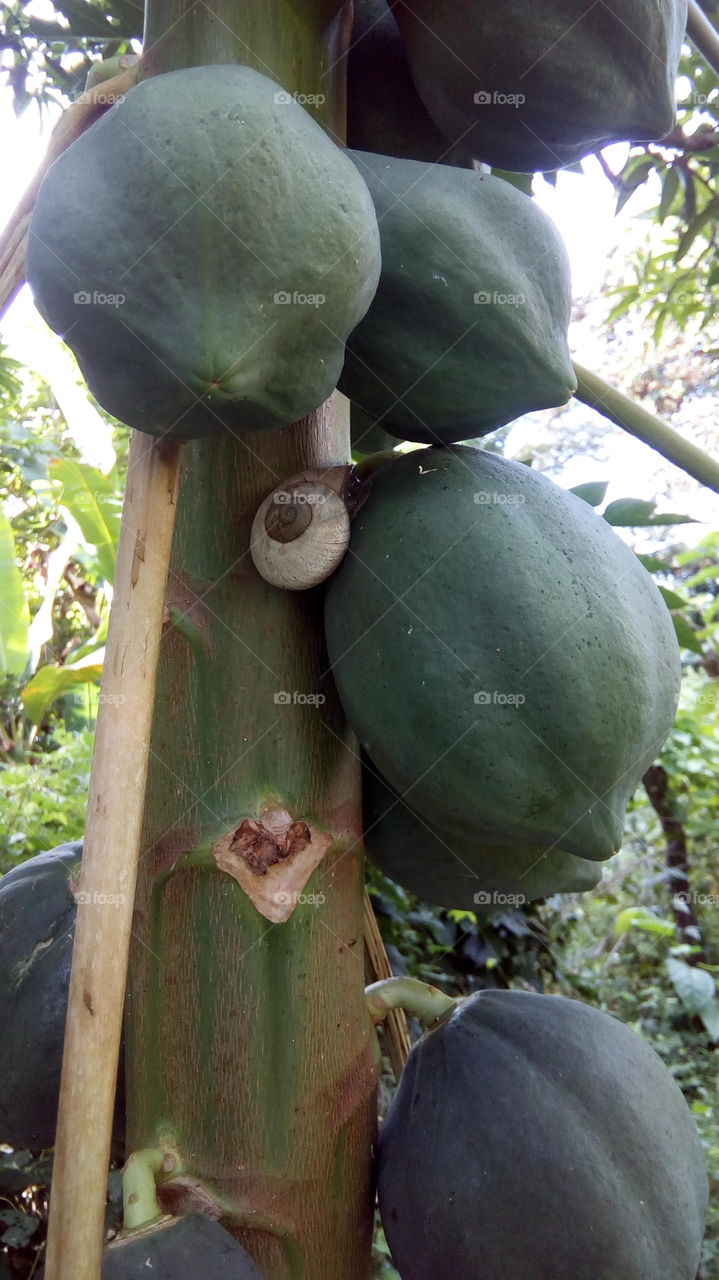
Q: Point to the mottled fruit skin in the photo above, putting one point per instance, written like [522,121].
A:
[530,86]
[450,871]
[505,660]
[179,1249]
[468,328]
[384,111]
[205,249]
[37,921]
[535,1138]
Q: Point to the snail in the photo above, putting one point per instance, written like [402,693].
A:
[301,531]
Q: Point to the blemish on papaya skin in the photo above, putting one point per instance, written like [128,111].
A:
[89,1003]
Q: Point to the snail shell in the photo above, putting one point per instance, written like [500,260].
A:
[301,531]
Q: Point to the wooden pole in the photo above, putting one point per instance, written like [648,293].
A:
[109,865]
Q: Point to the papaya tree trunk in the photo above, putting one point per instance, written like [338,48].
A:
[249,1045]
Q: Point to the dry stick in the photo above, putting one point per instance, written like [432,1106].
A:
[396,1030]
[109,864]
[646,426]
[703,34]
[75,120]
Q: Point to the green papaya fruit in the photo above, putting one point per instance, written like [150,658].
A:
[366,435]
[205,249]
[534,1137]
[37,921]
[179,1249]
[449,871]
[468,328]
[537,86]
[505,660]
[384,110]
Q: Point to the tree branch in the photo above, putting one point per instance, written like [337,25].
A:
[646,426]
[656,783]
[704,35]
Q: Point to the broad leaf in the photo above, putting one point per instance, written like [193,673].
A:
[641,918]
[14,612]
[593,492]
[697,991]
[686,635]
[49,683]
[92,499]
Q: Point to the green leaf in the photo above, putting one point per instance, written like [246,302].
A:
[49,683]
[94,501]
[670,190]
[632,178]
[672,600]
[641,918]
[523,181]
[686,635]
[639,513]
[629,511]
[653,564]
[14,612]
[593,492]
[697,991]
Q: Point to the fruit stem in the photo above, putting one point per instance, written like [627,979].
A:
[703,35]
[416,998]
[140,1205]
[646,426]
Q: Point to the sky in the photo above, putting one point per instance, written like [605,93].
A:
[582,206]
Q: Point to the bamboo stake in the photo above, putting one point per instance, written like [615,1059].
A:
[703,34]
[646,426]
[109,865]
[396,1029]
[74,120]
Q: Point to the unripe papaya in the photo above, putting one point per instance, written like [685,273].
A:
[451,871]
[468,328]
[37,923]
[384,110]
[536,1138]
[205,249]
[505,660]
[179,1249]
[528,85]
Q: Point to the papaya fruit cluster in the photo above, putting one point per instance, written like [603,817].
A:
[505,661]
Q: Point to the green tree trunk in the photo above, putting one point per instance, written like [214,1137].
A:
[248,1040]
